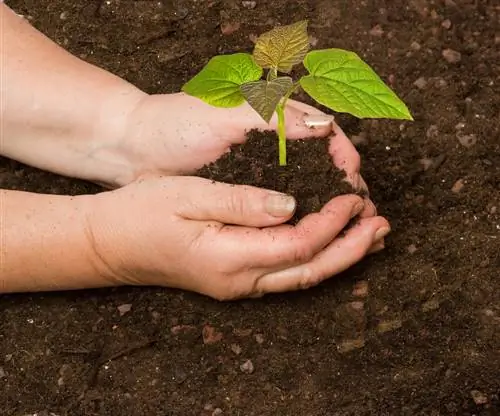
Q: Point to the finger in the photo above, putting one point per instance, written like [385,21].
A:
[205,200]
[345,156]
[283,246]
[337,257]
[301,121]
[370,209]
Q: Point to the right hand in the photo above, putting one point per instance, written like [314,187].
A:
[221,240]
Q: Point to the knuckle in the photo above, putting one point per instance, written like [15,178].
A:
[236,204]
[302,253]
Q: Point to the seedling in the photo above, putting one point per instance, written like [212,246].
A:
[337,79]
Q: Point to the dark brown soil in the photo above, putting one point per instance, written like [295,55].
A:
[309,174]
[413,330]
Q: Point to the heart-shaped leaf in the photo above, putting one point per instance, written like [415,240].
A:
[343,82]
[282,47]
[218,83]
[264,96]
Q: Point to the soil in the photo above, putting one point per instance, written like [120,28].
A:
[413,330]
[309,174]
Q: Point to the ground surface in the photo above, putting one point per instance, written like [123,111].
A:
[411,331]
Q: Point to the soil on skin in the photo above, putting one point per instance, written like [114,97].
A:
[309,174]
[413,330]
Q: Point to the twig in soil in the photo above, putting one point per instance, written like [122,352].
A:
[99,362]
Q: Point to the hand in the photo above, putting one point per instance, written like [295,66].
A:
[177,134]
[223,241]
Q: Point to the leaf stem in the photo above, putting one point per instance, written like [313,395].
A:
[280,110]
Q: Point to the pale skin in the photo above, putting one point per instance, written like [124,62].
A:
[157,225]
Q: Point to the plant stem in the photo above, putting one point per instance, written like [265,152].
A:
[280,110]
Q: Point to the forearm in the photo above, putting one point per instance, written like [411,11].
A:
[46,244]
[58,112]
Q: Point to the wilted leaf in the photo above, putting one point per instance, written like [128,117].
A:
[282,47]
[264,96]
[218,83]
[341,81]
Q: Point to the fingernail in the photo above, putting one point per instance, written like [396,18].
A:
[318,120]
[381,233]
[376,247]
[357,208]
[280,205]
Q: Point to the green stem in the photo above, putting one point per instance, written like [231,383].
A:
[280,110]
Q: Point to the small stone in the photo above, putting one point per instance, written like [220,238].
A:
[426,163]
[420,83]
[430,305]
[63,15]
[412,248]
[217,411]
[446,24]
[357,306]
[360,289]
[250,5]
[458,186]
[125,308]
[415,46]
[240,332]
[432,131]
[259,338]
[451,56]
[313,41]
[3,374]
[228,28]
[376,31]
[351,344]
[479,397]
[467,140]
[387,326]
[247,367]
[211,335]
[236,349]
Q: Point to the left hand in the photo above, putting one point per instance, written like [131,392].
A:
[176,134]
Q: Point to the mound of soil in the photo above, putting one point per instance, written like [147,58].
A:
[309,175]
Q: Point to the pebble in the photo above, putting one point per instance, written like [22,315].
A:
[236,349]
[350,345]
[420,83]
[412,248]
[63,15]
[415,46]
[451,56]
[217,411]
[247,367]
[210,335]
[430,305]
[360,289]
[259,338]
[467,140]
[432,131]
[376,31]
[228,28]
[387,326]
[458,186]
[125,308]
[446,23]
[478,397]
[3,374]
[250,5]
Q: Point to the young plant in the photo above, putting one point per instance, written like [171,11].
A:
[338,79]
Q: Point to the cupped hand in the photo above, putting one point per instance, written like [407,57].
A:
[176,134]
[223,241]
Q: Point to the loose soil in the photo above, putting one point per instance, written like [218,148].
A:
[413,330]
[309,174]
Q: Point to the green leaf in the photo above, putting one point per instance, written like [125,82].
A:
[264,96]
[341,81]
[218,83]
[282,47]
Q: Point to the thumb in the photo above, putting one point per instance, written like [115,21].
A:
[304,121]
[205,200]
